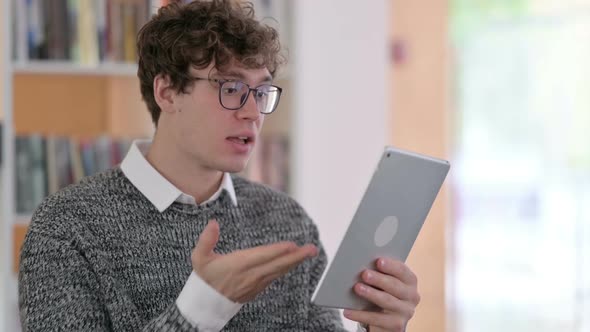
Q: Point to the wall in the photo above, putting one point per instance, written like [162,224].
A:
[420,122]
[346,110]
[339,59]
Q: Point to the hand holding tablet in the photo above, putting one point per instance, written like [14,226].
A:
[386,223]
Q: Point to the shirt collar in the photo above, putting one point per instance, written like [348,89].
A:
[155,187]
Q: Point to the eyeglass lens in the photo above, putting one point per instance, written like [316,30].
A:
[234,94]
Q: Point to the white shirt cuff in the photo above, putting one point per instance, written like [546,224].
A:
[203,306]
[360,328]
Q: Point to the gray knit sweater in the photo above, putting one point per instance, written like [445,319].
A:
[100,257]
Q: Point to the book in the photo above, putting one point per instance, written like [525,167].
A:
[38,175]
[31,185]
[76,160]
[129,32]
[87,31]
[52,182]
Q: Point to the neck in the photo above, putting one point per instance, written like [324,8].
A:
[183,172]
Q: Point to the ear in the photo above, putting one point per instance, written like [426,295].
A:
[164,93]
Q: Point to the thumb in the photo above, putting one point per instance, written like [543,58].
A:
[208,239]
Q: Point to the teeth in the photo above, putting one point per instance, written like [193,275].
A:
[241,139]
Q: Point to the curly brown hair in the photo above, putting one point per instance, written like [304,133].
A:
[200,33]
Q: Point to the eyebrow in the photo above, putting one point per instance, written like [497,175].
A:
[241,76]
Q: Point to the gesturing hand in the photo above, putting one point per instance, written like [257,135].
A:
[242,274]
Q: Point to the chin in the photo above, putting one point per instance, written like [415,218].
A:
[234,166]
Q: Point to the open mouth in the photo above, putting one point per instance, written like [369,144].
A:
[241,140]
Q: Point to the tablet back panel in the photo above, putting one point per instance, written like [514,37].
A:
[386,223]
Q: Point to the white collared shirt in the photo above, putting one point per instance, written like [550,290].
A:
[155,187]
[198,302]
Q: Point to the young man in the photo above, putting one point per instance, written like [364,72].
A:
[170,241]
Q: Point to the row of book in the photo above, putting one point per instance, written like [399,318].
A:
[45,165]
[80,31]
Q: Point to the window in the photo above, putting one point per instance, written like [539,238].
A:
[522,169]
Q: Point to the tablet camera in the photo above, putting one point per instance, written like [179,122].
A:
[386,231]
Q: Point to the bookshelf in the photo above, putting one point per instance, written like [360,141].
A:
[64,90]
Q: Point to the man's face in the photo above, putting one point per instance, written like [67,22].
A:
[209,135]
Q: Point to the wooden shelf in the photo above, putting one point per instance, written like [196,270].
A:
[49,67]
[79,106]
[19,231]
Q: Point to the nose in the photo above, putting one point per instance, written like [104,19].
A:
[250,110]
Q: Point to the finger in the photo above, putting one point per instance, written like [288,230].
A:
[250,258]
[384,300]
[264,276]
[284,264]
[208,239]
[294,258]
[386,321]
[397,269]
[391,285]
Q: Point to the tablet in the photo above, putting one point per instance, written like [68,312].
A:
[386,223]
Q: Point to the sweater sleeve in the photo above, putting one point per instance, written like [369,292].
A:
[58,290]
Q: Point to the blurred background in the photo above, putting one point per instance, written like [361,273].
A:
[501,88]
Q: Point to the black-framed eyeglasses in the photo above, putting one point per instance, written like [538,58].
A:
[233,94]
